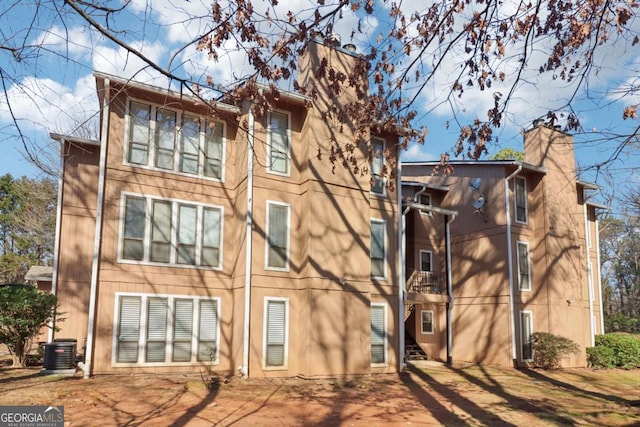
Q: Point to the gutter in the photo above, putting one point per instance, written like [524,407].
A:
[402,363]
[447,237]
[510,264]
[104,132]
[598,275]
[56,244]
[589,273]
[244,368]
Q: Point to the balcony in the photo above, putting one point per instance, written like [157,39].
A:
[426,286]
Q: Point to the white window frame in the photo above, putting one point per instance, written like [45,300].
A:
[152,148]
[433,320]
[374,156]
[386,334]
[430,254]
[144,298]
[384,246]
[515,200]
[425,199]
[270,147]
[267,243]
[175,203]
[265,321]
[525,316]
[520,244]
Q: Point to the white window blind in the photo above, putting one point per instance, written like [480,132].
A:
[182,330]
[166,329]
[378,334]
[208,327]
[128,330]
[156,329]
[377,250]
[278,236]
[275,333]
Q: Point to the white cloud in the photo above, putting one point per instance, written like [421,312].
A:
[120,62]
[49,106]
[75,41]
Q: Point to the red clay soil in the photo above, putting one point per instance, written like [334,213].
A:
[434,395]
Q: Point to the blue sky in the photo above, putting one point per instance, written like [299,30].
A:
[54,91]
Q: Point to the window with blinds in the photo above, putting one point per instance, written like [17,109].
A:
[526,332]
[524,269]
[275,333]
[378,334]
[166,329]
[521,199]
[278,143]
[277,241]
[377,250]
[170,140]
[377,166]
[426,320]
[171,232]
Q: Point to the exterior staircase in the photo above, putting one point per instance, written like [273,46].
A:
[412,351]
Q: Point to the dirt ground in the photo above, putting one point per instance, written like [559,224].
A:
[430,395]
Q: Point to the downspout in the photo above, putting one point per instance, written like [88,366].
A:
[598,276]
[244,369]
[589,273]
[447,238]
[401,267]
[104,132]
[56,244]
[510,264]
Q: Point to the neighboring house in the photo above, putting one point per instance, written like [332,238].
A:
[191,237]
[41,276]
[521,242]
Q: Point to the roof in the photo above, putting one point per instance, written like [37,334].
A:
[39,272]
[62,138]
[597,205]
[588,185]
[164,92]
[426,185]
[478,163]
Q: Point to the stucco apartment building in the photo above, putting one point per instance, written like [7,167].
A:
[193,238]
[190,237]
[520,240]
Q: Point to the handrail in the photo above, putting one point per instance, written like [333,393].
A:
[426,282]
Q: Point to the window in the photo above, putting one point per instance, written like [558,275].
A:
[378,248]
[171,232]
[521,199]
[139,133]
[426,319]
[378,334]
[161,138]
[277,241]
[524,275]
[160,329]
[526,329]
[426,260]
[276,321]
[425,199]
[377,166]
[278,142]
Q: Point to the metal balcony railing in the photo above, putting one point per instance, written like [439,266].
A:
[426,282]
